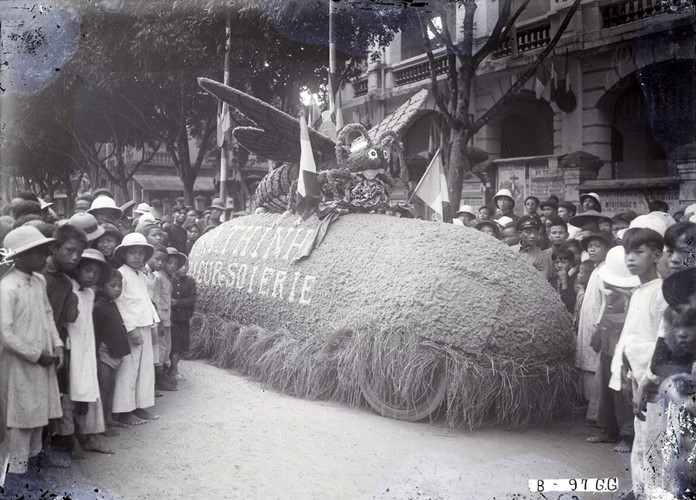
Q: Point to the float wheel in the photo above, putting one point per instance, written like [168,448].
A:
[421,402]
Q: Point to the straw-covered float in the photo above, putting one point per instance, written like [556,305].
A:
[411,317]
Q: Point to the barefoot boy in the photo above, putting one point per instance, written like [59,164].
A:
[111,340]
[135,377]
[83,417]
[634,350]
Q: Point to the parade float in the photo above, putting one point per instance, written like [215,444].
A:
[417,319]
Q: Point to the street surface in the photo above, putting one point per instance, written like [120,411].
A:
[224,436]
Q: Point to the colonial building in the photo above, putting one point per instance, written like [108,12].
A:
[619,120]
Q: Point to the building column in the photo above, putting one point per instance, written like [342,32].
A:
[685,161]
[578,167]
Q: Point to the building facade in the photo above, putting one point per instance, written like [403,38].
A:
[616,118]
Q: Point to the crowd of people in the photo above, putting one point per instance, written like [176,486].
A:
[95,316]
[96,311]
[629,282]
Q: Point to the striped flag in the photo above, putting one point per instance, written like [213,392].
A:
[432,188]
[223,123]
[541,80]
[308,194]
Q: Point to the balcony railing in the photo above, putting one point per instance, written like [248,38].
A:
[420,71]
[360,88]
[627,11]
[528,38]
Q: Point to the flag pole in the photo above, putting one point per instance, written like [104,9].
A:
[332,60]
[224,149]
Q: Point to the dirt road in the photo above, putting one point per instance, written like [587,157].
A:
[224,436]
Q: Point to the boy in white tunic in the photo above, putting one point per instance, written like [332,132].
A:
[83,415]
[30,349]
[636,344]
[134,390]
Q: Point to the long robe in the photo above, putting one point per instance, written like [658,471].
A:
[29,391]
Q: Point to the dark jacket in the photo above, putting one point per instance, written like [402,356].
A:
[109,327]
[184,292]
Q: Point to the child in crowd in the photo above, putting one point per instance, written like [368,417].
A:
[489,227]
[111,340]
[70,242]
[134,390]
[150,270]
[596,245]
[173,261]
[485,213]
[153,234]
[563,282]
[584,272]
[632,355]
[192,234]
[108,242]
[30,350]
[183,302]
[615,413]
[83,415]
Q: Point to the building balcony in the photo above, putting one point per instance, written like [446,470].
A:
[616,13]
[524,39]
[360,88]
[417,69]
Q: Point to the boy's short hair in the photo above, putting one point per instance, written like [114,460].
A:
[179,208]
[676,231]
[563,254]
[658,206]
[555,220]
[68,232]
[637,236]
[159,248]
[112,274]
[685,317]
[620,218]
[573,243]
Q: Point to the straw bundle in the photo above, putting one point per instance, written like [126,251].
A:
[406,309]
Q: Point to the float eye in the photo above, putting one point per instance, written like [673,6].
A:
[386,155]
[372,154]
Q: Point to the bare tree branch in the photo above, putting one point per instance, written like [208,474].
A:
[528,73]
[433,74]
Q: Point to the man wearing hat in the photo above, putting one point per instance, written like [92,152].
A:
[104,209]
[505,203]
[528,249]
[565,211]
[549,208]
[465,216]
[590,201]
[216,210]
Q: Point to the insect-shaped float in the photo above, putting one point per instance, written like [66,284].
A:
[415,318]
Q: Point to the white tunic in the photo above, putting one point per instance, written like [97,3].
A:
[639,333]
[84,385]
[134,304]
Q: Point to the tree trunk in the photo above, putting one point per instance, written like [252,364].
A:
[123,194]
[188,191]
[458,164]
